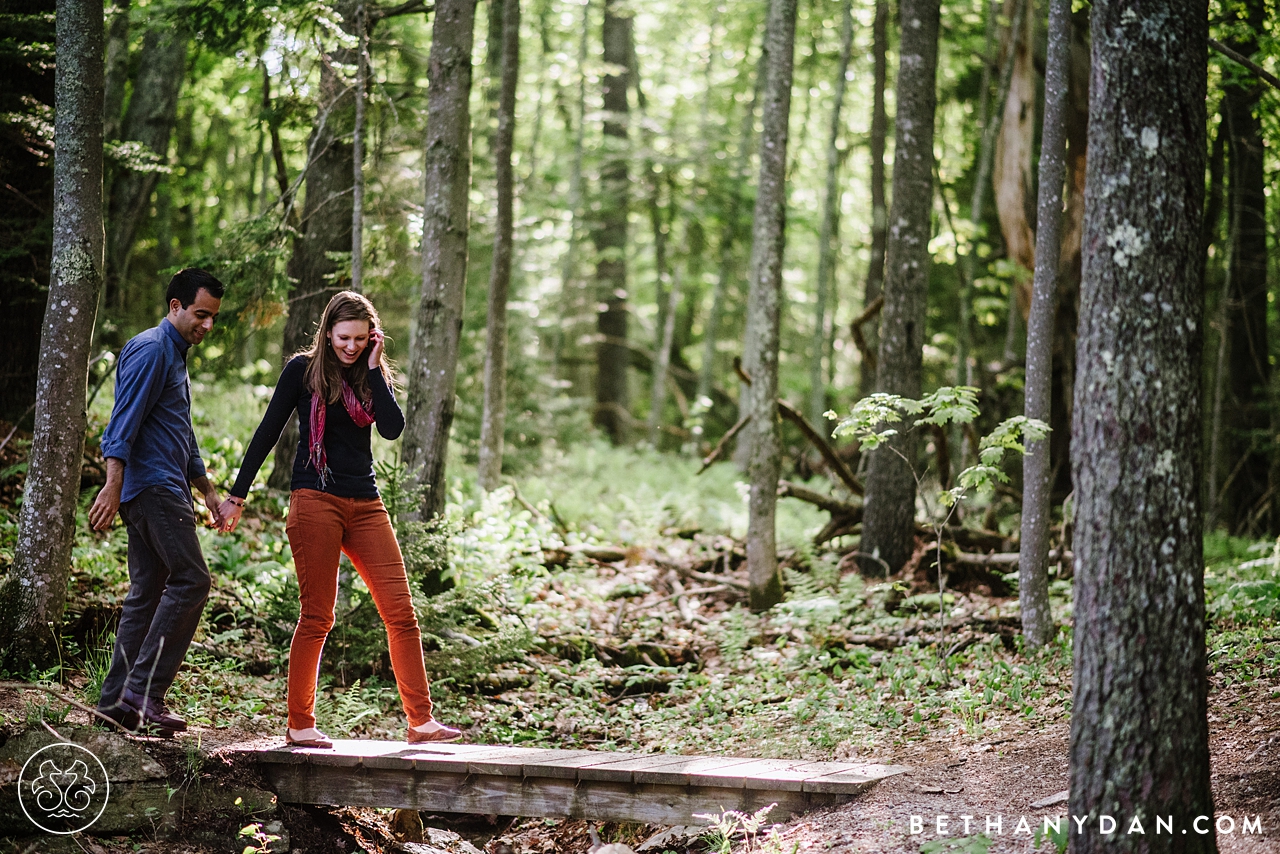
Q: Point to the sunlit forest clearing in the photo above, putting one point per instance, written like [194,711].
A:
[807,380]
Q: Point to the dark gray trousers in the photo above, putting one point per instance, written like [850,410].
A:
[168,586]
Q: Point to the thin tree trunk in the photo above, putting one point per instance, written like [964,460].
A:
[1248,507]
[569,268]
[117,69]
[447,166]
[1139,734]
[1209,233]
[1033,576]
[153,109]
[610,234]
[829,233]
[889,519]
[493,419]
[1013,178]
[662,362]
[764,301]
[991,125]
[729,234]
[34,595]
[357,151]
[879,211]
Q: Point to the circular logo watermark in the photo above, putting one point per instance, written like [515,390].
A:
[63,788]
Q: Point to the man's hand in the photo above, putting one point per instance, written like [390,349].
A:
[377,341]
[214,503]
[104,508]
[230,512]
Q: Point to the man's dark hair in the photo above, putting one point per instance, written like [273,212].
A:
[186,283]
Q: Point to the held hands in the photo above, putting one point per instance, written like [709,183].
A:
[230,512]
[212,502]
[377,342]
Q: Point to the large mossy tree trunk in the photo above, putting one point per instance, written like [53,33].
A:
[1139,734]
[34,594]
[888,523]
[609,232]
[764,302]
[1033,576]
[149,121]
[325,228]
[494,417]
[433,365]
[1247,499]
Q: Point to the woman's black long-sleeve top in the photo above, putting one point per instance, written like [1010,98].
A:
[346,445]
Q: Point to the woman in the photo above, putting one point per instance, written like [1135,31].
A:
[340,387]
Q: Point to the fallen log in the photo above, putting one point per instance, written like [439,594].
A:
[838,466]
[562,556]
[1004,558]
[833,505]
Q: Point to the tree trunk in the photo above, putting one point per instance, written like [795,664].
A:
[117,69]
[493,420]
[325,228]
[760,348]
[879,213]
[1139,734]
[1033,576]
[829,233]
[1012,177]
[357,150]
[610,232]
[889,520]
[27,194]
[662,362]
[988,152]
[982,174]
[1068,302]
[569,268]
[1247,423]
[153,109]
[729,233]
[34,596]
[447,165]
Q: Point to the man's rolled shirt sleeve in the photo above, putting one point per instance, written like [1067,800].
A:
[139,382]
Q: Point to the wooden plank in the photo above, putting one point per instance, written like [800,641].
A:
[570,767]
[852,780]
[509,795]
[679,773]
[737,776]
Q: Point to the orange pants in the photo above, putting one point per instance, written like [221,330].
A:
[320,528]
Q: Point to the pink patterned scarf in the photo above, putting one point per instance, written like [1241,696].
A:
[361,413]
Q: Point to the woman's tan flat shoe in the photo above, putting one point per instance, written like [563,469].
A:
[440,733]
[318,740]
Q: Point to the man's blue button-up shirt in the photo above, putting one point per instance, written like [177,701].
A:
[150,429]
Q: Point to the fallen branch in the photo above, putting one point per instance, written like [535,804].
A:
[29,686]
[603,554]
[724,440]
[839,466]
[1004,558]
[1245,61]
[834,506]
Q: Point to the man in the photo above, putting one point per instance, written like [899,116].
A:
[152,461]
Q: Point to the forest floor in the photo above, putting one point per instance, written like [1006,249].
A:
[602,607]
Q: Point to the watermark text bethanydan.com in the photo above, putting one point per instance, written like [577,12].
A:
[1106,825]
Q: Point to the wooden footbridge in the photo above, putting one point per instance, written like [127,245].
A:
[488,780]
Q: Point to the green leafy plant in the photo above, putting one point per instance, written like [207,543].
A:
[723,827]
[949,405]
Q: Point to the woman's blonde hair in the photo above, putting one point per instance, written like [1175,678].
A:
[325,372]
